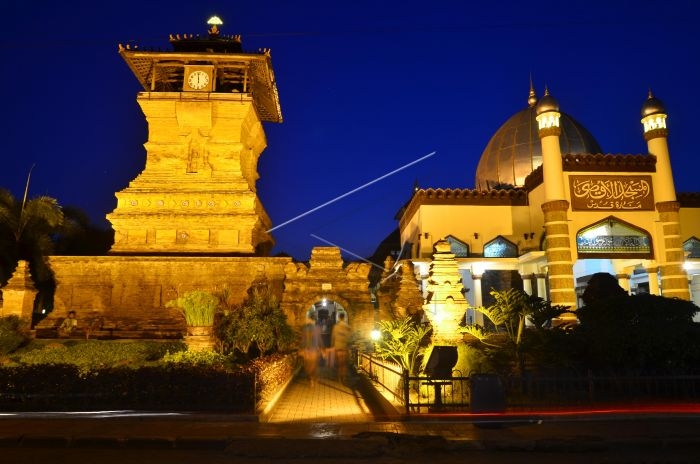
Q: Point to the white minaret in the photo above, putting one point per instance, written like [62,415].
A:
[548,117]
[560,270]
[669,247]
[656,135]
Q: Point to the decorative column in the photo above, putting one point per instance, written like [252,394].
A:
[558,244]
[19,294]
[653,273]
[674,280]
[541,285]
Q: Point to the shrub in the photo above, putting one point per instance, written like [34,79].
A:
[198,307]
[169,387]
[90,355]
[12,334]
[204,358]
[258,324]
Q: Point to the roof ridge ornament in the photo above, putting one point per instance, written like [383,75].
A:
[214,22]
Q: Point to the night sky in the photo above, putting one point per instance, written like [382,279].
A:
[366,87]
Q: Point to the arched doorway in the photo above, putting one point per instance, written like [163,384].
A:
[325,312]
[616,247]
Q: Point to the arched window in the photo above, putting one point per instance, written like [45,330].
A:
[499,247]
[458,247]
[613,238]
[691,247]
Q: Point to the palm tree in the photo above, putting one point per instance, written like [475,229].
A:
[26,230]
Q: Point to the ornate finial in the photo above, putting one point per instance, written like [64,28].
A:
[651,95]
[214,22]
[546,90]
[532,99]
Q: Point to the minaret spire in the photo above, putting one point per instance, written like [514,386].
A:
[532,98]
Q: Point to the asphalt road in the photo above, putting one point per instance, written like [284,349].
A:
[608,439]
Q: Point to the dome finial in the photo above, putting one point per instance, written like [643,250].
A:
[652,105]
[532,98]
[547,103]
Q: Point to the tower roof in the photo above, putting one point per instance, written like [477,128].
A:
[237,72]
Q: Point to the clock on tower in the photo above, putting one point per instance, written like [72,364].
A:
[198,79]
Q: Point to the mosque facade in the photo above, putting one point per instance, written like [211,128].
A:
[549,210]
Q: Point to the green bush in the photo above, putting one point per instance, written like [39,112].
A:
[13,334]
[62,387]
[257,327]
[89,355]
[204,358]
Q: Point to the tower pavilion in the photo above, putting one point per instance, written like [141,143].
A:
[204,102]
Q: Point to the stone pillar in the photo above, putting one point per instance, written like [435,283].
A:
[623,280]
[674,280]
[527,284]
[562,289]
[478,299]
[695,293]
[541,285]
[19,293]
[653,273]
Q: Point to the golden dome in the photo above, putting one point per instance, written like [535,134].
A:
[515,151]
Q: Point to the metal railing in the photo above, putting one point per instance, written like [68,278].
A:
[553,391]
[415,394]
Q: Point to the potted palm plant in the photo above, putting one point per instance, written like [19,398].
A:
[199,309]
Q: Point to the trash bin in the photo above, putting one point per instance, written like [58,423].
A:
[487,394]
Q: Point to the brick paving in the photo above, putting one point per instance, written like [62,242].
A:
[326,401]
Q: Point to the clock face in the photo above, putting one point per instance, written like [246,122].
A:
[198,80]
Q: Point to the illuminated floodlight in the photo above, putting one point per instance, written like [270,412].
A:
[375,335]
[215,21]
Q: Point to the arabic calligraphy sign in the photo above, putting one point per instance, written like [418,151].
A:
[611,193]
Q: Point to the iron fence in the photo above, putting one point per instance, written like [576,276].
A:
[532,391]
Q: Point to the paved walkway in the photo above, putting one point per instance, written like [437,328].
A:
[326,401]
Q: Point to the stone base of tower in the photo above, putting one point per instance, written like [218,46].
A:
[189,222]
[197,193]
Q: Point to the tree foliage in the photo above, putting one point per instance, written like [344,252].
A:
[509,342]
[640,332]
[26,231]
[602,286]
[403,341]
[79,237]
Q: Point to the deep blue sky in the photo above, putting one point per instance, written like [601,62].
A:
[365,87]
